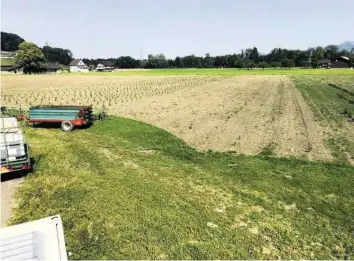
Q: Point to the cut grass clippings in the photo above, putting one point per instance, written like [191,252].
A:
[128,190]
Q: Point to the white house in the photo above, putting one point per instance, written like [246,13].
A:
[77,65]
[100,67]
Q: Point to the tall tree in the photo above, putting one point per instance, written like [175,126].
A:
[319,53]
[53,54]
[249,64]
[263,65]
[10,42]
[31,57]
[274,65]
[127,62]
[287,63]
[331,51]
[156,61]
[208,61]
[179,62]
[254,55]
[239,64]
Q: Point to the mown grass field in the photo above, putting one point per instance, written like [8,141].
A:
[333,106]
[128,190]
[231,71]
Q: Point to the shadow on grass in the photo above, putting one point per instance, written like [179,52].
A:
[18,173]
[13,175]
[57,125]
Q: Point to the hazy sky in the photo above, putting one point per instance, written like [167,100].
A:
[111,28]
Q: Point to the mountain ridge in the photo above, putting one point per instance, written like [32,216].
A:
[347,45]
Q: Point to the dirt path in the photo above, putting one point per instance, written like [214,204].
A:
[243,114]
[8,188]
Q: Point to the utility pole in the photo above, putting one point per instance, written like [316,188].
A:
[310,56]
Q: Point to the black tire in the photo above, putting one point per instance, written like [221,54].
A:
[67,126]
[103,115]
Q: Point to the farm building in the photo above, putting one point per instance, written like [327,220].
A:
[324,63]
[341,62]
[11,69]
[6,54]
[104,68]
[53,67]
[100,67]
[77,65]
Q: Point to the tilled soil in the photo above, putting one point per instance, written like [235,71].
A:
[245,114]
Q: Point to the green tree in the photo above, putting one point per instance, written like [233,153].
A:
[156,61]
[263,65]
[208,61]
[126,62]
[287,63]
[249,64]
[305,64]
[179,62]
[53,54]
[331,51]
[30,57]
[254,55]
[239,64]
[274,65]
[319,53]
[10,42]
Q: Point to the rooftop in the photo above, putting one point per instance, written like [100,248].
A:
[75,62]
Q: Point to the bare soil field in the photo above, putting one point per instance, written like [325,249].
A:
[244,114]
[27,90]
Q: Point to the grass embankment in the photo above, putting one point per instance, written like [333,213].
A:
[226,72]
[332,100]
[128,190]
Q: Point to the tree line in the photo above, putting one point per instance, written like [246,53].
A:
[11,42]
[248,58]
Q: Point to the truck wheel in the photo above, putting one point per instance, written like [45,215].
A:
[67,126]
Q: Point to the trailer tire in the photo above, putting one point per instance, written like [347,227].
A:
[67,126]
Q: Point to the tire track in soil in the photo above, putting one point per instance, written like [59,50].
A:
[330,130]
[254,134]
[242,114]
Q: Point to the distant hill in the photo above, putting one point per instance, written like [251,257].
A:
[347,46]
[10,42]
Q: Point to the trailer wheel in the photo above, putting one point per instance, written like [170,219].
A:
[67,126]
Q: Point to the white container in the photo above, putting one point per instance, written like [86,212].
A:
[42,239]
[13,137]
[12,143]
[8,122]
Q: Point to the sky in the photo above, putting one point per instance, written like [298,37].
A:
[113,28]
